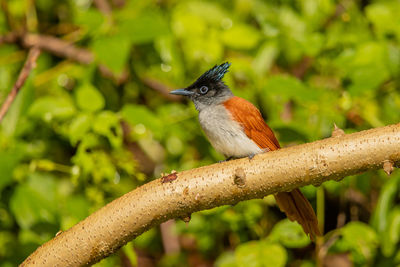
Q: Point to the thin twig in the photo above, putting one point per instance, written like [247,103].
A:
[30,63]
[161,88]
[169,237]
[8,17]
[58,47]
[301,68]
[51,44]
[340,9]
[9,38]
[321,254]
[103,6]
[145,163]
[62,48]
[118,3]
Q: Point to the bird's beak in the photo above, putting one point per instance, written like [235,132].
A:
[182,92]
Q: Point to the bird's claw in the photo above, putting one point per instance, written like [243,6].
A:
[227,159]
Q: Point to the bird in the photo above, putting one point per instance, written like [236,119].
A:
[236,129]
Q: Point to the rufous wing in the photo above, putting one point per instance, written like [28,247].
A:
[253,123]
[294,204]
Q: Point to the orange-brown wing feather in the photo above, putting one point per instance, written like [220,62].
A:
[252,121]
[293,203]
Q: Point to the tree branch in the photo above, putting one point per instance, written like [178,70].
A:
[23,75]
[180,194]
[103,6]
[58,47]
[9,38]
[8,17]
[62,48]
[160,88]
[51,44]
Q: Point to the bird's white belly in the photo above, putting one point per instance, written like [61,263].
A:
[225,134]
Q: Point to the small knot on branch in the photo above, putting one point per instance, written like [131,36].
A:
[239,177]
[197,197]
[187,218]
[169,178]
[337,132]
[388,166]
[186,191]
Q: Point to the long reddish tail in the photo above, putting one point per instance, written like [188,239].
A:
[297,208]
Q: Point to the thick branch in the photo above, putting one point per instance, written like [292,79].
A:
[23,75]
[180,194]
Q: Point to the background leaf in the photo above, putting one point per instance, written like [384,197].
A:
[88,98]
[80,135]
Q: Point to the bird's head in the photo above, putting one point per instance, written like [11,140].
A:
[208,89]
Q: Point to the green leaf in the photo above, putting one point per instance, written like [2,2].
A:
[142,116]
[90,19]
[8,161]
[107,124]
[367,67]
[208,11]
[255,254]
[290,234]
[79,127]
[241,36]
[100,166]
[292,88]
[361,240]
[226,259]
[130,253]
[288,134]
[384,17]
[83,157]
[36,236]
[34,202]
[313,44]
[391,235]
[265,57]
[48,108]
[76,209]
[89,98]
[143,28]
[385,204]
[45,186]
[112,51]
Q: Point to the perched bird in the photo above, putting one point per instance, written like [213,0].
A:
[236,128]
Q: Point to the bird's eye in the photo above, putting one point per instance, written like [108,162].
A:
[203,90]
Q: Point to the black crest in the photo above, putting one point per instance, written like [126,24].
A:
[215,74]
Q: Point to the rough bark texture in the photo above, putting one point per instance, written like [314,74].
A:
[180,194]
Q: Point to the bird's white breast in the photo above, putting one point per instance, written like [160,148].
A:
[225,134]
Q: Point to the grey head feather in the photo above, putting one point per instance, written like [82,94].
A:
[215,74]
[218,92]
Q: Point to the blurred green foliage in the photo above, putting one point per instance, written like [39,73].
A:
[77,136]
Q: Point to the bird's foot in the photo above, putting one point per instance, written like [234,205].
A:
[227,159]
[251,156]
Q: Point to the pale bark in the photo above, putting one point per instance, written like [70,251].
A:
[105,231]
